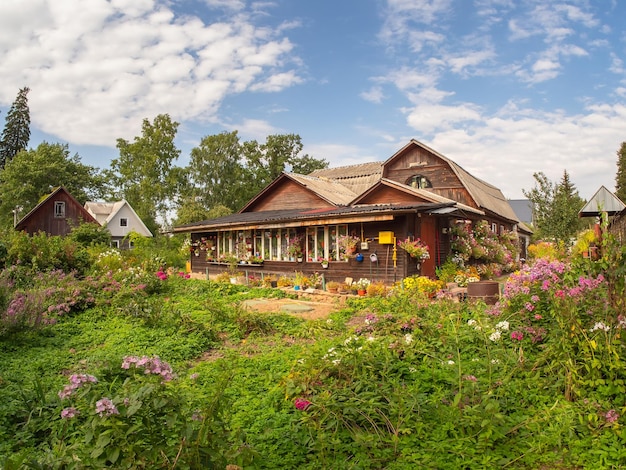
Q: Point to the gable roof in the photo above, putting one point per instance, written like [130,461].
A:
[87,217]
[105,212]
[332,192]
[485,195]
[421,193]
[602,201]
[523,209]
[358,178]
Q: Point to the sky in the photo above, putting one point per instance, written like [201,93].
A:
[505,88]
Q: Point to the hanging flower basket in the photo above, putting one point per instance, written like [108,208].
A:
[415,248]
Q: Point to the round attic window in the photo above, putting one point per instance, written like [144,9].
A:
[419,181]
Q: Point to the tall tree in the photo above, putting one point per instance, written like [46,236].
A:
[620,179]
[32,174]
[215,172]
[555,208]
[144,173]
[16,133]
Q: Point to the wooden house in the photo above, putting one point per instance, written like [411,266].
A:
[120,219]
[57,214]
[416,193]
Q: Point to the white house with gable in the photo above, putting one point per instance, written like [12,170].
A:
[120,218]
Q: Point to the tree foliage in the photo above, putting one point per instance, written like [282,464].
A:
[555,208]
[225,171]
[33,174]
[144,174]
[620,179]
[16,132]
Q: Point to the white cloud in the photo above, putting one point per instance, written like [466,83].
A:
[506,149]
[96,69]
[373,95]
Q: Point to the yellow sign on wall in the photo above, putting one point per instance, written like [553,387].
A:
[385,238]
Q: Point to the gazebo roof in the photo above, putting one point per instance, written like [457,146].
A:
[602,201]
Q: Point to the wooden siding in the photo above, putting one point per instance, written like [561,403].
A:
[383,270]
[387,195]
[43,218]
[288,195]
[418,161]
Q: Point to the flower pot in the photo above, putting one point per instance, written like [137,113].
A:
[361,292]
[273,283]
[296,287]
[359,257]
[325,265]
[299,260]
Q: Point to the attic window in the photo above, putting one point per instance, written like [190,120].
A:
[59,209]
[419,181]
[123,222]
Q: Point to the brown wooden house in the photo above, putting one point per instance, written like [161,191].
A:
[416,193]
[57,214]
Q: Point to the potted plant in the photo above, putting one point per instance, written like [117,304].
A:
[332,286]
[415,248]
[362,285]
[325,263]
[294,248]
[347,243]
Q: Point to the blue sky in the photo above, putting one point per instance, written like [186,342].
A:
[505,88]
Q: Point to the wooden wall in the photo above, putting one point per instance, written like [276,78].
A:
[383,270]
[417,161]
[288,195]
[43,219]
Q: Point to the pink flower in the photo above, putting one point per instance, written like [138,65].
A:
[69,413]
[470,378]
[106,406]
[538,317]
[611,416]
[301,404]
[517,335]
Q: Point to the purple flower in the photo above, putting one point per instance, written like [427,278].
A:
[611,416]
[69,413]
[106,406]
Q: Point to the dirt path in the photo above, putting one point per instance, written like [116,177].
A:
[310,306]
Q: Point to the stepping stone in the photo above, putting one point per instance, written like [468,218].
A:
[296,308]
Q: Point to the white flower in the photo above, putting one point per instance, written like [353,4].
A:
[336,361]
[450,362]
[495,361]
[495,336]
[600,326]
[329,321]
[408,338]
[371,338]
[471,322]
[412,369]
[503,326]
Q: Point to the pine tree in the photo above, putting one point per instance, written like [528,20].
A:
[16,133]
[620,179]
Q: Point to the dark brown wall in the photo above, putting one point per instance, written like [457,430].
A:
[288,195]
[444,180]
[387,195]
[43,219]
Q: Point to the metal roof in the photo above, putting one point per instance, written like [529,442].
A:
[602,201]
[300,217]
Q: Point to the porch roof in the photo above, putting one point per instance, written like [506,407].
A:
[309,217]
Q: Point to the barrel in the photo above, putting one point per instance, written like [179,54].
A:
[487,291]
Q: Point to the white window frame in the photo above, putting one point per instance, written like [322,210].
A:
[59,209]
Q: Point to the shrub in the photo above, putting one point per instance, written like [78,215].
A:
[138,414]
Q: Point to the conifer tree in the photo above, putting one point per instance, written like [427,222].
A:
[620,179]
[16,133]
